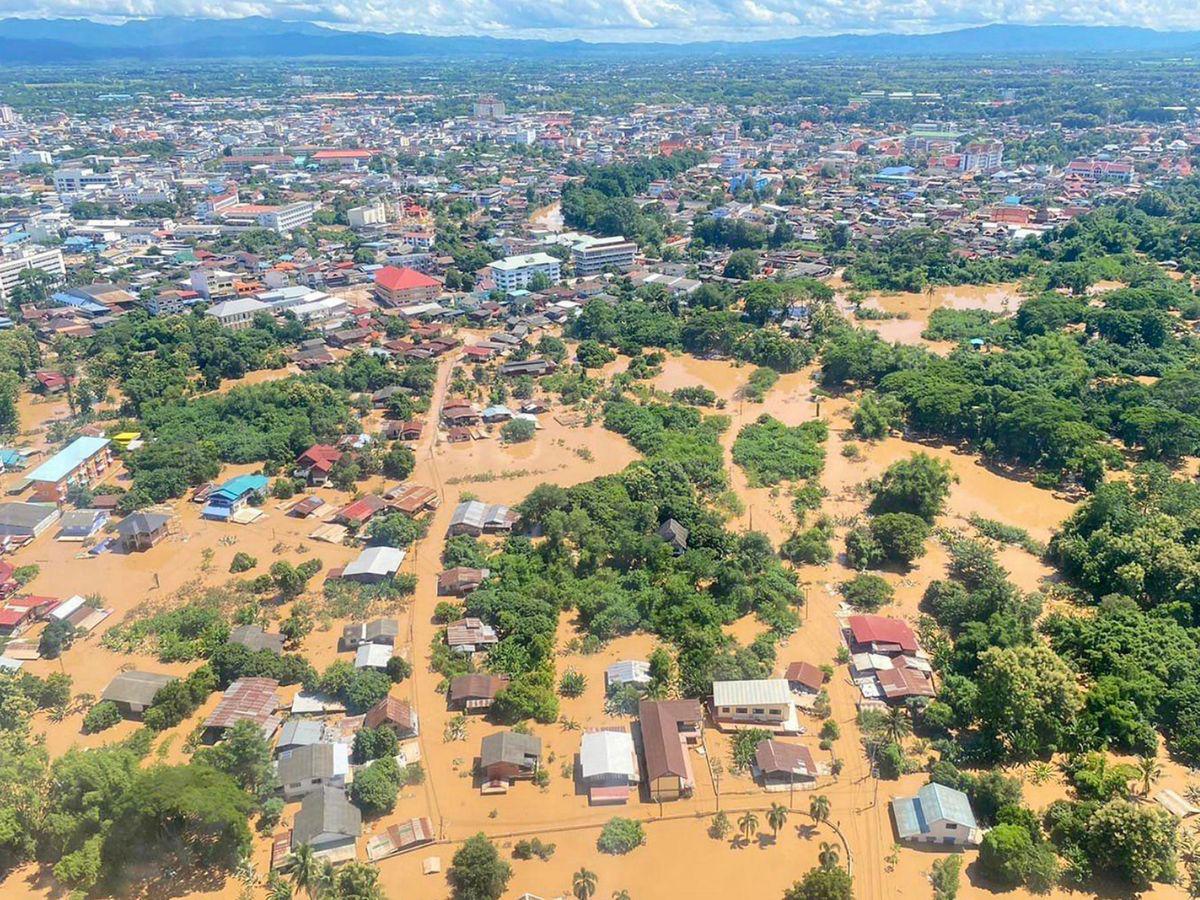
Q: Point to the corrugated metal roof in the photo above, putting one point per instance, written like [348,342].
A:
[756,691]
[606,753]
[68,459]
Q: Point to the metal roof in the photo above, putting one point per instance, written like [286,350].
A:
[934,803]
[606,753]
[759,691]
[375,561]
[326,811]
[68,459]
[135,687]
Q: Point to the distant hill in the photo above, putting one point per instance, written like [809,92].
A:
[25,41]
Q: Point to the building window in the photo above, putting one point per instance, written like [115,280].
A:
[741,710]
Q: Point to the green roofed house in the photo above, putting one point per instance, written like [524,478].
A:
[937,815]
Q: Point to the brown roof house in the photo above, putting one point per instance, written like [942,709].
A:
[460,581]
[469,634]
[667,728]
[508,755]
[777,764]
[398,715]
[252,699]
[377,631]
[475,693]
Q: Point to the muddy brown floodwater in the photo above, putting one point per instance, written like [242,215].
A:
[679,858]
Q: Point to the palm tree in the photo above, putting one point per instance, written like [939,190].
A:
[306,870]
[777,817]
[818,808]
[621,895]
[828,857]
[277,888]
[1149,771]
[326,880]
[583,885]
[748,824]
[898,724]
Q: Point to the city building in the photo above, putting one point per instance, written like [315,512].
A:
[937,815]
[982,156]
[11,267]
[593,255]
[401,286]
[238,313]
[78,181]
[80,463]
[514,273]
[764,703]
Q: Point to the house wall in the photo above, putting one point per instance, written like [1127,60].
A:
[772,715]
[666,787]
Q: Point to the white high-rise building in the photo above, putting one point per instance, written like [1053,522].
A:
[49,261]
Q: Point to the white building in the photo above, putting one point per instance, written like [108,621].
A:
[765,701]
[78,181]
[367,216]
[982,156]
[513,273]
[30,158]
[937,815]
[209,283]
[11,267]
[237,314]
[287,218]
[592,255]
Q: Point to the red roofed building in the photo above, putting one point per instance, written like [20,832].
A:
[877,634]
[396,286]
[315,463]
[342,159]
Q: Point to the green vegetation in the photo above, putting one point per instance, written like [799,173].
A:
[620,836]
[771,452]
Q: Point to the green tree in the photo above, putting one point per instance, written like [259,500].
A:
[822,883]
[742,265]
[244,755]
[776,818]
[918,485]
[818,808]
[477,872]
[583,884]
[748,825]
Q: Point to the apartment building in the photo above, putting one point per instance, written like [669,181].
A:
[20,158]
[11,267]
[982,156]
[513,273]
[237,314]
[367,216]
[78,181]
[594,255]
[210,283]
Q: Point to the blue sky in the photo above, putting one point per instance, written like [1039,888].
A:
[669,20]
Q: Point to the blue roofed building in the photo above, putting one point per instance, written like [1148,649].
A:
[937,815]
[81,462]
[233,495]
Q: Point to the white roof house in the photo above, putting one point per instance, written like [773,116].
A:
[755,692]
[373,656]
[627,671]
[607,753]
[67,607]
[375,563]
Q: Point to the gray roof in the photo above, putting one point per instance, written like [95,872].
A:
[606,753]
[325,811]
[300,732]
[142,523]
[26,515]
[135,687]
[933,803]
[509,747]
[254,637]
[312,761]
[80,518]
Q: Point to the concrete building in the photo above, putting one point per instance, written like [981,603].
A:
[513,273]
[11,267]
[763,702]
[237,314]
[78,181]
[982,156]
[214,283]
[81,462]
[20,158]
[594,255]
[395,286]
[937,815]
[367,216]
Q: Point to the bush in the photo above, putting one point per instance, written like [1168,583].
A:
[824,883]
[398,668]
[867,592]
[901,536]
[621,836]
[771,452]
[242,562]
[572,683]
[808,547]
[374,743]
[56,637]
[917,485]
[517,431]
[104,714]
[375,787]
[446,612]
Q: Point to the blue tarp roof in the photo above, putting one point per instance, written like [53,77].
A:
[65,461]
[242,484]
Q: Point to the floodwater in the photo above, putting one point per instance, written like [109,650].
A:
[679,858]
[916,309]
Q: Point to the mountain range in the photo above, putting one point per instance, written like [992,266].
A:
[25,41]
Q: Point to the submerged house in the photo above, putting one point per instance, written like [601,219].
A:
[668,727]
[328,823]
[937,815]
[509,755]
[234,494]
[133,692]
[142,530]
[608,766]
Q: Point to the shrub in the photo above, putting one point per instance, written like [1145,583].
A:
[375,787]
[867,592]
[517,431]
[572,683]
[104,714]
[446,612]
[242,562]
[621,836]
[808,547]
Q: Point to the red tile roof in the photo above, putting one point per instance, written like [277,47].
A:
[391,278]
[881,630]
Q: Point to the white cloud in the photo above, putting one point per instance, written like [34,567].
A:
[669,20]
